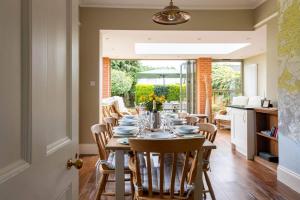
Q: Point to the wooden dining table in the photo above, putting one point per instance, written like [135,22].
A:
[121,149]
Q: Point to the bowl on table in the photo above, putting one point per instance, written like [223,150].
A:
[187,129]
[129,117]
[125,130]
[159,135]
[123,141]
[177,121]
[128,122]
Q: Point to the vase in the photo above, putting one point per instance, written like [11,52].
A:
[155,120]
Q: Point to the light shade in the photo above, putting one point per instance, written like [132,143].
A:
[171,15]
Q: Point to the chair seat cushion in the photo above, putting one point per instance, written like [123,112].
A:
[155,170]
[111,161]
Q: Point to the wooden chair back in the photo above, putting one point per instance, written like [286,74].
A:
[209,131]
[182,115]
[101,137]
[106,110]
[110,122]
[176,147]
[191,120]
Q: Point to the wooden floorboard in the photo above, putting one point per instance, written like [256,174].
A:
[233,177]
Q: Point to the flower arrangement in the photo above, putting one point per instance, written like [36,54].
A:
[147,101]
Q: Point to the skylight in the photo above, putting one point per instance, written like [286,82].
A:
[188,48]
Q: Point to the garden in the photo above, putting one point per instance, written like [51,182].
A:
[226,83]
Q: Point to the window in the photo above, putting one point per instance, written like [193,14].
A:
[226,82]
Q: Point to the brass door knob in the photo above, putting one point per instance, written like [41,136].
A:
[78,163]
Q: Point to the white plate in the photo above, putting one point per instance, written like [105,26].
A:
[188,128]
[123,141]
[129,117]
[126,120]
[126,130]
[193,136]
[186,133]
[159,135]
[128,124]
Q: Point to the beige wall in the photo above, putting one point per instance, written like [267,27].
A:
[267,64]
[261,61]
[94,19]
[272,59]
[265,10]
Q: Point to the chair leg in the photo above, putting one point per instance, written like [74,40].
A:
[106,180]
[103,181]
[211,191]
[132,185]
[204,192]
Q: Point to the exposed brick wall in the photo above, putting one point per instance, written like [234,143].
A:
[204,71]
[106,78]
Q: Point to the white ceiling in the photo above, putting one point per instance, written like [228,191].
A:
[119,44]
[185,4]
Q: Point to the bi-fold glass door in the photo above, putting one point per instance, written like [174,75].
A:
[187,86]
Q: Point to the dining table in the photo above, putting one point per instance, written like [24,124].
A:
[120,149]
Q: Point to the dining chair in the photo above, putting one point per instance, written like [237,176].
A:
[111,111]
[190,120]
[182,115]
[105,110]
[173,176]
[110,122]
[209,131]
[107,160]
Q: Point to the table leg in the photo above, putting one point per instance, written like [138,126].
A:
[120,183]
[198,181]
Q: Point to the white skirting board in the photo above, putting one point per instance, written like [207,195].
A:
[88,149]
[289,178]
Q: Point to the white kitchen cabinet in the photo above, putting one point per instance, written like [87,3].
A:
[243,131]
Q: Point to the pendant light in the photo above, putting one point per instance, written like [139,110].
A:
[171,15]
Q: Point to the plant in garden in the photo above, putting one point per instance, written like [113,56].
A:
[225,80]
[174,92]
[161,90]
[131,68]
[147,101]
[120,83]
[143,90]
[171,92]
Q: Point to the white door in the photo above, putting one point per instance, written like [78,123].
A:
[38,99]
[250,80]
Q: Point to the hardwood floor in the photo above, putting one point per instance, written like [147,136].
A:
[233,177]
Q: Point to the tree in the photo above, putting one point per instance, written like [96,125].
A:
[120,83]
[226,81]
[131,68]
[225,78]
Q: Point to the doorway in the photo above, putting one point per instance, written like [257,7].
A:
[172,79]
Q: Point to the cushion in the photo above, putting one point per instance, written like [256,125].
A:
[223,117]
[119,104]
[107,101]
[240,101]
[255,101]
[111,161]
[155,169]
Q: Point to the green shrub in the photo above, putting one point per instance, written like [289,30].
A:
[161,90]
[143,90]
[120,83]
[174,92]
[171,92]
